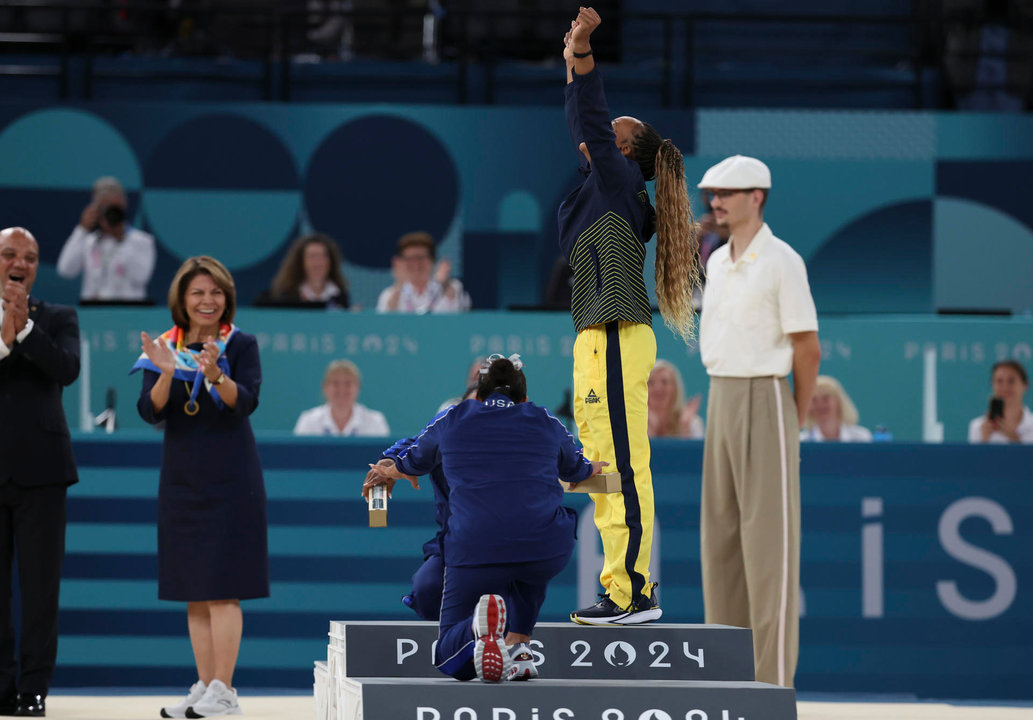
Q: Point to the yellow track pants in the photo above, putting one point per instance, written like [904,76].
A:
[612,363]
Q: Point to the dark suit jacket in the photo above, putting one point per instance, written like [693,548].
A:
[35,448]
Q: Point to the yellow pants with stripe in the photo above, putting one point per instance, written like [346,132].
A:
[612,363]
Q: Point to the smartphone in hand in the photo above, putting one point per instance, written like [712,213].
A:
[996,411]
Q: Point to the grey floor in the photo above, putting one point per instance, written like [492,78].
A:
[301,707]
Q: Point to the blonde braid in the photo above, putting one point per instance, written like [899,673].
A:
[677,245]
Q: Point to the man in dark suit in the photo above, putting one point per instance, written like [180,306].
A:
[39,356]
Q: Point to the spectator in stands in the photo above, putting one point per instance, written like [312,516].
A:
[342,415]
[414,290]
[670,415]
[832,415]
[201,378]
[1008,419]
[310,273]
[115,259]
[501,457]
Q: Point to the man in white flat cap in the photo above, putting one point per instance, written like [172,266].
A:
[758,325]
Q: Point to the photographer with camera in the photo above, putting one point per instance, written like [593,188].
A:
[1007,419]
[116,259]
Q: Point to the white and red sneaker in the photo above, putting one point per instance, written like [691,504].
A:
[490,655]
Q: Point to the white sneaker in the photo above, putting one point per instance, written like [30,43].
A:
[490,655]
[523,667]
[217,700]
[179,709]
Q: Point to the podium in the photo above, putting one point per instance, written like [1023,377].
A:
[653,672]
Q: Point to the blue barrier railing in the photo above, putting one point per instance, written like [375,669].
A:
[916,563]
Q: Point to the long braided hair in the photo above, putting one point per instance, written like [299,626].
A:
[677,268]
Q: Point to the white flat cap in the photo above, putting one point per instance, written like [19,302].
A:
[738,172]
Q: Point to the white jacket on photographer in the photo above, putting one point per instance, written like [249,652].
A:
[111,269]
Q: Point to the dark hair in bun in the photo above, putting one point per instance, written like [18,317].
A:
[501,376]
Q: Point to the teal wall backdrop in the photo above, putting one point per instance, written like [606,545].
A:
[894,211]
[411,364]
[916,565]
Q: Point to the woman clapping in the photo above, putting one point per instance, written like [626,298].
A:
[201,377]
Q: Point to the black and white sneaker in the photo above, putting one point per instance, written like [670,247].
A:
[607,612]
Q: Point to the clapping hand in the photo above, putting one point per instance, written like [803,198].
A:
[688,414]
[158,353]
[443,272]
[208,359]
[16,310]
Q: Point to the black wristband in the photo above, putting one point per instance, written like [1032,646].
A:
[581,55]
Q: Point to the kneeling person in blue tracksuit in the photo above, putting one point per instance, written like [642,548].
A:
[508,532]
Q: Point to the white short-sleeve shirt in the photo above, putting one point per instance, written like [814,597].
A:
[1025,430]
[750,307]
[363,423]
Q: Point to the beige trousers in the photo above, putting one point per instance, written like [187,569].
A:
[750,518]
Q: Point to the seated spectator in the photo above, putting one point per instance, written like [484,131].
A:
[832,415]
[670,415]
[1007,420]
[115,259]
[414,290]
[342,415]
[310,273]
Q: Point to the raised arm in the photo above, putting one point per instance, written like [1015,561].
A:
[588,114]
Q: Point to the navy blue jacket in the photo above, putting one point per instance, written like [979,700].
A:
[440,483]
[605,223]
[502,461]
[35,448]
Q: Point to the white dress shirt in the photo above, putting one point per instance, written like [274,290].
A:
[111,269]
[750,307]
[363,423]
[1025,430]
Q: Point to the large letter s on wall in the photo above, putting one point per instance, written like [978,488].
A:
[991,564]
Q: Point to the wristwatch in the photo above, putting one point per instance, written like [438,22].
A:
[219,380]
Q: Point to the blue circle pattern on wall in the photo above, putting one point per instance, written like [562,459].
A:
[376,178]
[222,181]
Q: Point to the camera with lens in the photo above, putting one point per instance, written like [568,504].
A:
[113,215]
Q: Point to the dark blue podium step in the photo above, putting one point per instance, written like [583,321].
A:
[563,651]
[446,699]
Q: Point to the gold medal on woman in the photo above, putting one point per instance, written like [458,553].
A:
[191,406]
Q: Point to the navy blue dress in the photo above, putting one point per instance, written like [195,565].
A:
[212,536]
